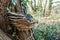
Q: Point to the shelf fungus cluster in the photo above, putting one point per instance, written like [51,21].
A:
[20,21]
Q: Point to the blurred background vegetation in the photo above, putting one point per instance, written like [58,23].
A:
[46,12]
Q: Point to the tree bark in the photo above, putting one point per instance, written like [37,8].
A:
[44,10]
[3,36]
[26,35]
[23,35]
[3,16]
[49,8]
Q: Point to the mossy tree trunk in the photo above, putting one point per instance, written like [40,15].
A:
[23,35]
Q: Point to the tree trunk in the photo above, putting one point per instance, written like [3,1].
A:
[3,18]
[4,23]
[49,8]
[26,35]
[23,35]
[44,10]
[3,36]
[18,6]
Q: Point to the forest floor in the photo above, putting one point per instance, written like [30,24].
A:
[49,21]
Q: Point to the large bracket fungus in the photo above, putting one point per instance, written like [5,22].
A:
[20,21]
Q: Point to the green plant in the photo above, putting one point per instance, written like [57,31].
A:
[47,33]
[24,5]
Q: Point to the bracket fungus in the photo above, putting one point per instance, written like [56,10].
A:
[21,21]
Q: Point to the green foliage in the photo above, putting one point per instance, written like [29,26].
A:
[48,32]
[24,5]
